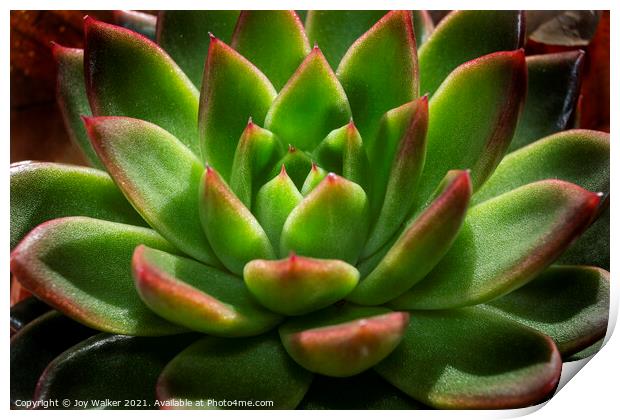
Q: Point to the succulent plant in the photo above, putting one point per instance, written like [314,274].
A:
[297,224]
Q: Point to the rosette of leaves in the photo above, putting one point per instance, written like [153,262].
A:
[361,211]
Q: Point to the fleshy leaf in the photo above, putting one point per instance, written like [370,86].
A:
[35,346]
[297,163]
[342,152]
[335,30]
[553,82]
[155,89]
[257,152]
[577,156]
[185,35]
[464,35]
[72,99]
[474,359]
[25,311]
[233,90]
[143,23]
[298,285]
[331,222]
[111,370]
[366,391]
[273,40]
[247,369]
[82,267]
[472,118]
[343,340]
[234,233]
[504,243]
[274,202]
[46,191]
[570,304]
[158,175]
[423,243]
[403,180]
[423,25]
[587,352]
[311,104]
[197,296]
[314,178]
[380,70]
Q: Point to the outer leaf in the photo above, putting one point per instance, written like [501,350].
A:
[249,369]
[45,191]
[274,202]
[331,222]
[587,352]
[154,89]
[465,35]
[380,70]
[421,246]
[570,304]
[233,90]
[258,150]
[158,175]
[335,30]
[185,35]
[34,346]
[314,178]
[423,25]
[577,156]
[298,285]
[82,267]
[402,183]
[136,361]
[343,341]
[232,230]
[472,118]
[274,40]
[471,358]
[72,99]
[143,23]
[311,104]
[504,243]
[553,82]
[26,311]
[196,296]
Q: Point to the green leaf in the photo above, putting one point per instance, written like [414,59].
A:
[504,243]
[587,352]
[72,99]
[46,191]
[423,243]
[114,371]
[314,178]
[257,152]
[234,233]
[142,23]
[248,369]
[472,359]
[233,90]
[26,311]
[570,304]
[311,104]
[423,26]
[197,296]
[158,175]
[465,35]
[273,40]
[335,30]
[297,163]
[128,75]
[553,82]
[577,156]
[185,35]
[274,202]
[380,71]
[343,340]
[331,222]
[35,346]
[298,285]
[402,182]
[82,267]
[472,118]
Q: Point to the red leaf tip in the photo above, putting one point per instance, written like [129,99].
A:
[314,167]
[291,148]
[282,171]
[331,177]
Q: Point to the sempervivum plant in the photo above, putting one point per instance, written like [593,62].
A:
[351,212]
